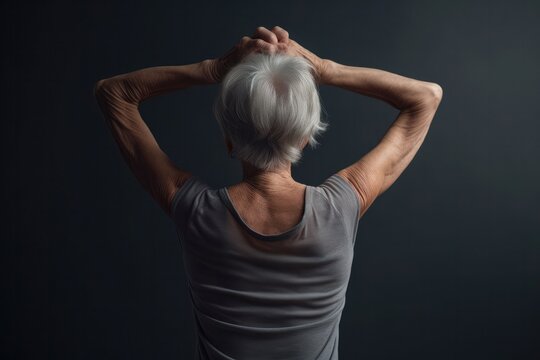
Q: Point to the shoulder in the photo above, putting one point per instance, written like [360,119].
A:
[341,194]
[185,193]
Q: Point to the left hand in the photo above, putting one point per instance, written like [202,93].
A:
[263,41]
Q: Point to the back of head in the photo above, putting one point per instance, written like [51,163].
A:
[268,106]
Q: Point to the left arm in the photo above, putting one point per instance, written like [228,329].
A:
[119,98]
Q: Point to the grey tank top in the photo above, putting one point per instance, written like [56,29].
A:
[259,296]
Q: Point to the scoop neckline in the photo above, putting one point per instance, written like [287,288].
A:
[224,194]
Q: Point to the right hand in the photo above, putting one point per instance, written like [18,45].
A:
[279,38]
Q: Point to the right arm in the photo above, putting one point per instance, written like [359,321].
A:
[417,101]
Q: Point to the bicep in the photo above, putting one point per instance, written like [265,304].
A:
[376,171]
[149,163]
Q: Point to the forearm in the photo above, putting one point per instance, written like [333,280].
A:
[136,86]
[399,91]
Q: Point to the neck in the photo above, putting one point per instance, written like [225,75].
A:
[267,179]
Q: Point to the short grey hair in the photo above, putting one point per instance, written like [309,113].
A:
[268,105]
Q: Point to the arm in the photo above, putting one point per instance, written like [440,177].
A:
[417,101]
[119,98]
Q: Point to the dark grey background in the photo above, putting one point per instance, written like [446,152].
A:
[446,261]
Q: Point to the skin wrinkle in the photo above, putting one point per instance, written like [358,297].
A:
[119,98]
[272,209]
[269,201]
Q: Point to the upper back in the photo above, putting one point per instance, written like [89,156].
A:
[271,213]
[288,287]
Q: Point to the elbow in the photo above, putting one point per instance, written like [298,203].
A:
[113,89]
[106,88]
[430,97]
[434,93]
[99,87]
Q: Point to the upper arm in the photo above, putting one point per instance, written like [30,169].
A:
[139,148]
[377,170]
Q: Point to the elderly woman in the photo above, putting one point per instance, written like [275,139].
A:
[268,259]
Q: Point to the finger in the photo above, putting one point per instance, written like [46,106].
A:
[259,45]
[280,33]
[266,35]
[245,40]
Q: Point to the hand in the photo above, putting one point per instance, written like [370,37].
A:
[279,38]
[264,41]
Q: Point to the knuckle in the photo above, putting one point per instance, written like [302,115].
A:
[261,44]
[244,40]
[278,29]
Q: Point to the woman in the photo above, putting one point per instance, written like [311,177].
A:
[268,259]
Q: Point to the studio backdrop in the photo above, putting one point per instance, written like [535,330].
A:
[446,262]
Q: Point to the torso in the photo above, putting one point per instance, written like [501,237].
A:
[270,213]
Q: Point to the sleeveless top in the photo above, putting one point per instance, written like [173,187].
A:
[259,296]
